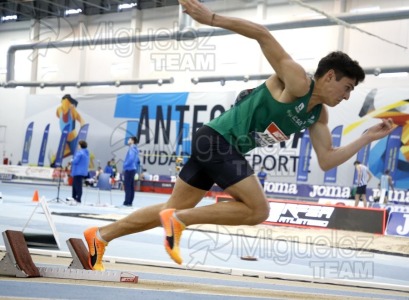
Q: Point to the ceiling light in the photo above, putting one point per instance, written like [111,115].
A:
[73,11]
[126,6]
[9,18]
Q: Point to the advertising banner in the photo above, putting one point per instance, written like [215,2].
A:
[27,172]
[61,147]
[82,135]
[331,175]
[304,214]
[314,215]
[41,156]
[398,224]
[27,143]
[164,124]
[393,145]
[305,156]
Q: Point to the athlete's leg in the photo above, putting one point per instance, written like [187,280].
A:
[386,197]
[250,207]
[382,197]
[183,196]
[129,179]
[364,200]
[363,192]
[357,196]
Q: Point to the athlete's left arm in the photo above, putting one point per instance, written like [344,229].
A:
[330,156]
[77,116]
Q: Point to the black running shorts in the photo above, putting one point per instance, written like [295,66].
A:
[214,160]
[360,190]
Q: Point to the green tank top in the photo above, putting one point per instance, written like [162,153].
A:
[258,120]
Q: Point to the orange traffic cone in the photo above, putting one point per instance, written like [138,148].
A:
[35,196]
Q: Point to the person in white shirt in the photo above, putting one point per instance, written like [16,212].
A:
[364,175]
[386,185]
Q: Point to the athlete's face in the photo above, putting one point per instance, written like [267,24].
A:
[65,104]
[338,90]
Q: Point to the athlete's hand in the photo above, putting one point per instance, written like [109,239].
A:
[197,11]
[381,130]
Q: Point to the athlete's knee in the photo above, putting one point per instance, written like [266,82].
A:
[260,214]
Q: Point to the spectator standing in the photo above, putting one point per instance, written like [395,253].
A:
[363,177]
[114,167]
[109,169]
[130,167]
[262,176]
[79,170]
[386,185]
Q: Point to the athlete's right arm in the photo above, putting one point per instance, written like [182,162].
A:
[294,77]
[368,173]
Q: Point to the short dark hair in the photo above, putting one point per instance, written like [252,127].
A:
[342,64]
[134,139]
[83,144]
[357,162]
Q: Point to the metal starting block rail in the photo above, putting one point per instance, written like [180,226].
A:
[19,263]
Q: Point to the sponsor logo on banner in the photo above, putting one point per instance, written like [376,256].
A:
[306,191]
[25,171]
[398,224]
[300,214]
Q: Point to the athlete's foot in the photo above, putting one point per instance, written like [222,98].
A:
[96,249]
[173,231]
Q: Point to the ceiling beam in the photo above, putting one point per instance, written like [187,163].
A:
[89,3]
[201,32]
[16,11]
[35,8]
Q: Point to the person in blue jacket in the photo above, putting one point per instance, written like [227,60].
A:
[79,169]
[262,176]
[130,167]
[109,170]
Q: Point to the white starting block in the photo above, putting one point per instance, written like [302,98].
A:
[18,262]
